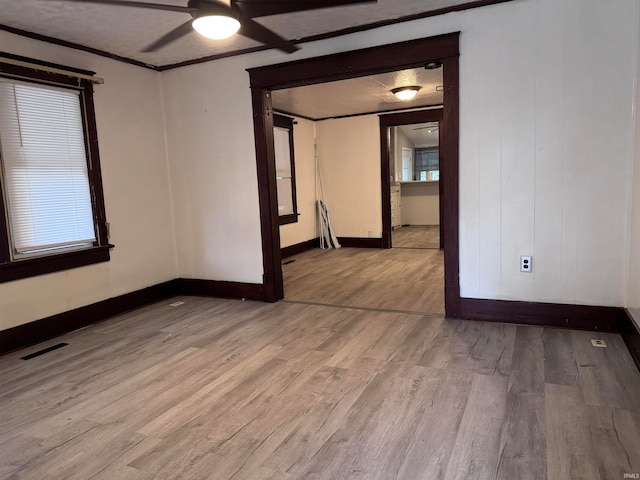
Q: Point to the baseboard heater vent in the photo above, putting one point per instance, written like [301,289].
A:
[43,351]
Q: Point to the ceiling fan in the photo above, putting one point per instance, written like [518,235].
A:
[218,19]
[432,128]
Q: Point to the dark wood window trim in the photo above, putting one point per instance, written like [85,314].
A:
[287,123]
[29,267]
[369,61]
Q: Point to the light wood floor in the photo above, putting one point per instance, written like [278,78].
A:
[391,279]
[416,236]
[223,389]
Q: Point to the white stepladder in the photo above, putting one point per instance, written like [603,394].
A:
[328,238]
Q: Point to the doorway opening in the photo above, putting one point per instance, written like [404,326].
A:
[389,58]
[412,149]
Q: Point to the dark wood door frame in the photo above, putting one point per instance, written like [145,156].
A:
[393,120]
[342,66]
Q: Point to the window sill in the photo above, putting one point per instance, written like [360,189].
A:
[286,219]
[53,263]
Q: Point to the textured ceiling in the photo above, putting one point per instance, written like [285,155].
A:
[422,134]
[126,31]
[360,95]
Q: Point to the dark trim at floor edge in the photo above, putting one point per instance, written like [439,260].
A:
[31,333]
[221,289]
[298,248]
[46,328]
[579,317]
[632,340]
[356,242]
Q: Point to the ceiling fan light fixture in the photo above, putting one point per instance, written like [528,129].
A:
[405,93]
[216,27]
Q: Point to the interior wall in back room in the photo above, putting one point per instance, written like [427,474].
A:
[401,141]
[546,140]
[304,133]
[135,177]
[349,157]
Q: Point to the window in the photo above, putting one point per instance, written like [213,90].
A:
[51,207]
[285,169]
[427,164]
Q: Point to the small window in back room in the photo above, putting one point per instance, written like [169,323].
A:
[427,164]
[285,169]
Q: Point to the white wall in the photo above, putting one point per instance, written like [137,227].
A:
[546,147]
[546,96]
[349,152]
[633,293]
[304,133]
[420,203]
[136,188]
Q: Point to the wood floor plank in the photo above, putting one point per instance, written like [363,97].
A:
[559,363]
[570,451]
[522,446]
[446,395]
[477,448]
[617,441]
[527,374]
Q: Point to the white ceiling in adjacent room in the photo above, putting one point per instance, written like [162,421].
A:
[361,95]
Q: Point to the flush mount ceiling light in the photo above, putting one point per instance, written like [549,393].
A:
[433,65]
[405,93]
[216,27]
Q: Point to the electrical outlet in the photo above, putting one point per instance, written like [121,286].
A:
[525,264]
[598,343]
[176,304]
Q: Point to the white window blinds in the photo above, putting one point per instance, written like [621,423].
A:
[44,167]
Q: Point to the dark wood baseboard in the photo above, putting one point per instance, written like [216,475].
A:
[291,250]
[580,317]
[55,325]
[632,340]
[65,322]
[355,242]
[220,289]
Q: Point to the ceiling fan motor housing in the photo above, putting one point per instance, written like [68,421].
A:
[201,8]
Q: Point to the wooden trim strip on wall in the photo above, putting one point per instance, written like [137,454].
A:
[55,325]
[221,289]
[46,328]
[632,340]
[298,248]
[579,317]
[356,242]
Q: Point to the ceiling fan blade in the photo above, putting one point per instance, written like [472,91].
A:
[173,35]
[125,3]
[252,29]
[261,8]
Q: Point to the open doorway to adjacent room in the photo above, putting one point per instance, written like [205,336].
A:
[415,185]
[337,137]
